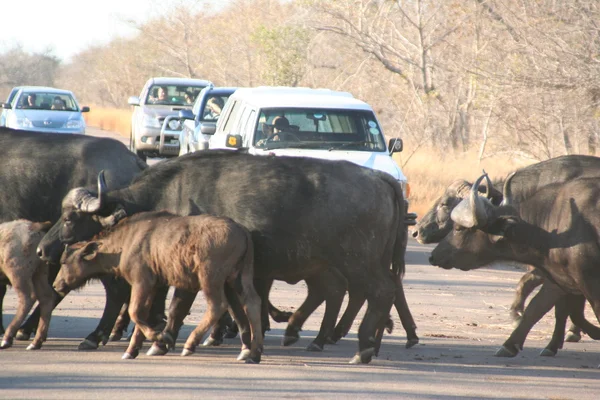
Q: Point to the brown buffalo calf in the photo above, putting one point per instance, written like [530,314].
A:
[27,274]
[190,253]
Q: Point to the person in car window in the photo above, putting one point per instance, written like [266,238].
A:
[30,101]
[58,104]
[189,98]
[161,95]
[214,106]
[274,132]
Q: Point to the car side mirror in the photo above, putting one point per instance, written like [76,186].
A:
[395,145]
[85,109]
[208,128]
[186,114]
[6,106]
[133,101]
[234,141]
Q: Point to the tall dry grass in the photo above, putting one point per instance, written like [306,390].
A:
[428,171]
[110,119]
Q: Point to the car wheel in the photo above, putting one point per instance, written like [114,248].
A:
[134,150]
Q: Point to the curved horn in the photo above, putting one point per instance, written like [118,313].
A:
[489,186]
[506,191]
[90,204]
[477,206]
[112,219]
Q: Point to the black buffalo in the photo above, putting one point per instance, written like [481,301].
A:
[335,225]
[555,228]
[436,223]
[39,169]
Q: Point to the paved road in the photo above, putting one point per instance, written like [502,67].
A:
[462,319]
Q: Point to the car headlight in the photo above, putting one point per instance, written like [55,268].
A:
[150,121]
[174,125]
[24,122]
[73,124]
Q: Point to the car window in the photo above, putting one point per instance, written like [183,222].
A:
[322,129]
[47,101]
[173,95]
[231,117]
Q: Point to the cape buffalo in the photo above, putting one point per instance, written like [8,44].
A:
[192,253]
[436,223]
[38,170]
[27,274]
[336,225]
[554,229]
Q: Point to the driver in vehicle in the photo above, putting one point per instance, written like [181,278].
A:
[274,132]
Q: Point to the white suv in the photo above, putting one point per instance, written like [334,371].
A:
[318,123]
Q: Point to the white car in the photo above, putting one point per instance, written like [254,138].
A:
[317,123]
[44,109]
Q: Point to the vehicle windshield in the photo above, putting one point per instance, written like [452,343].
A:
[173,95]
[213,107]
[328,129]
[46,101]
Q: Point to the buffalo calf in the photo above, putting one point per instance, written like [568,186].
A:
[27,274]
[190,253]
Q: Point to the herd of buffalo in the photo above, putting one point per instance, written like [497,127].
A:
[75,208]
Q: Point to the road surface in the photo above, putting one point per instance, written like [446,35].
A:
[462,319]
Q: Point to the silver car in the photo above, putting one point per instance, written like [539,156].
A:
[160,98]
[44,109]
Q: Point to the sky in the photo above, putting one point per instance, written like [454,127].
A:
[69,26]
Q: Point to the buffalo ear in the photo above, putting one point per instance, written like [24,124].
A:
[502,226]
[90,251]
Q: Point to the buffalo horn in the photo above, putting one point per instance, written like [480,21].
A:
[477,204]
[506,191]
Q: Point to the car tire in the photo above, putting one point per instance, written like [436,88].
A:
[134,150]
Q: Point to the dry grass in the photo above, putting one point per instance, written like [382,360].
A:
[428,172]
[110,119]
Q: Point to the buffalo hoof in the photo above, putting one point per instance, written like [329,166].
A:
[283,316]
[290,340]
[314,347]
[115,336]
[186,352]
[364,357]
[6,343]
[389,326]
[211,341]
[130,356]
[167,339]
[22,335]
[34,346]
[411,342]
[572,337]
[547,353]
[87,344]
[253,360]
[330,340]
[506,352]
[244,355]
[157,349]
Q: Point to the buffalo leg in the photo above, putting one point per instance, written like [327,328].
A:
[30,325]
[406,318]
[26,296]
[43,292]
[142,295]
[216,305]
[181,303]
[379,291]
[356,300]
[121,324]
[2,294]
[528,282]
[541,303]
[576,312]
[560,322]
